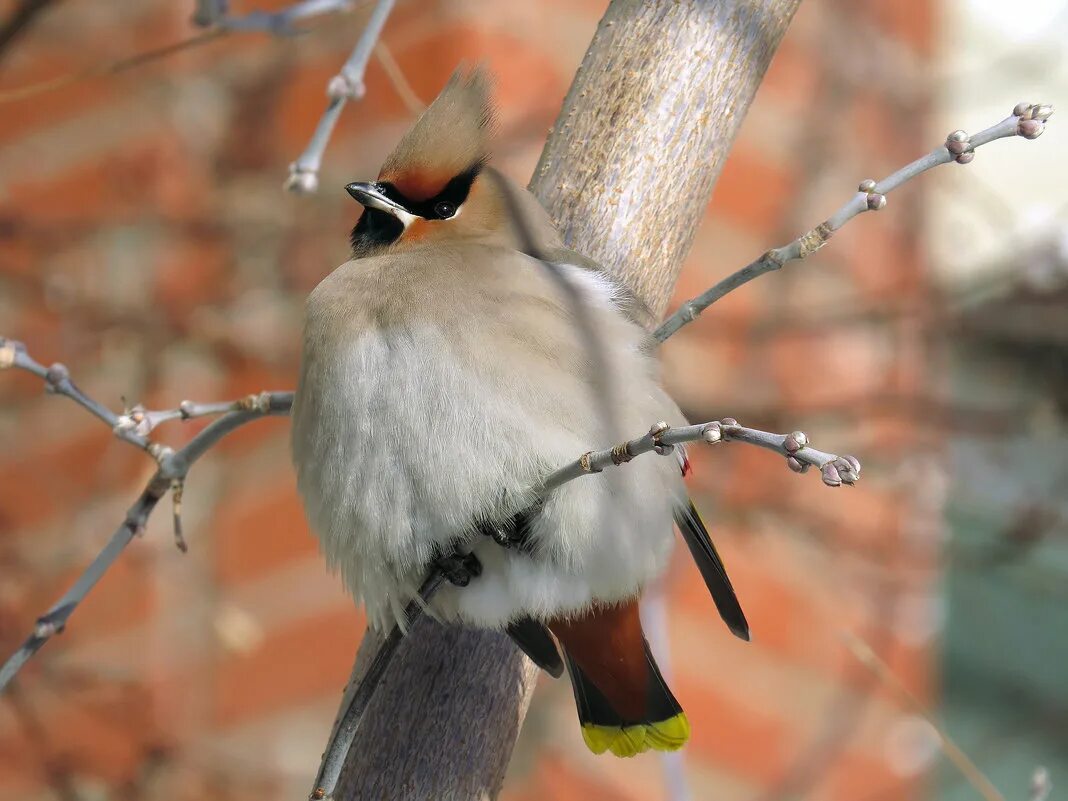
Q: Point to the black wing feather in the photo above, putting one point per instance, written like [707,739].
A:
[712,569]
[534,640]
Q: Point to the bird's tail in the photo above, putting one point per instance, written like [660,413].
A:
[624,704]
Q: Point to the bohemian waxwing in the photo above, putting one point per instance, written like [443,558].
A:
[442,379]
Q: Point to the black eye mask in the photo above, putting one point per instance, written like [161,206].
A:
[444,204]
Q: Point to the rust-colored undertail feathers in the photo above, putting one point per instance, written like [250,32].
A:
[624,704]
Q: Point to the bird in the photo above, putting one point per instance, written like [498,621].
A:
[443,376]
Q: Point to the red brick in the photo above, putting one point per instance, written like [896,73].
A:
[260,530]
[124,597]
[793,78]
[190,274]
[876,250]
[851,776]
[727,732]
[751,192]
[797,597]
[56,477]
[48,58]
[295,664]
[831,366]
[561,780]
[134,182]
[908,21]
[101,733]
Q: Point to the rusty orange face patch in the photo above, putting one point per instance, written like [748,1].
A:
[418,230]
[416,185]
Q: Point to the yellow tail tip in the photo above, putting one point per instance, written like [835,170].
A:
[628,741]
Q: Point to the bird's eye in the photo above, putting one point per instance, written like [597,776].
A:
[444,209]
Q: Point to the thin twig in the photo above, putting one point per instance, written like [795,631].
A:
[280,23]
[396,77]
[346,85]
[142,421]
[835,470]
[134,424]
[173,466]
[276,23]
[661,439]
[358,695]
[976,778]
[111,68]
[1026,120]
[57,381]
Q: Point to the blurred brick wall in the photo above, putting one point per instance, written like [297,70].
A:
[145,241]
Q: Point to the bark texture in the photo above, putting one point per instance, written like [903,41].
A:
[627,173]
[646,127]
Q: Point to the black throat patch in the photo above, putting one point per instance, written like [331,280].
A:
[374,231]
[378,229]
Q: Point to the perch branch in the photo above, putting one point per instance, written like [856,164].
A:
[1026,120]
[358,695]
[661,438]
[347,84]
[835,470]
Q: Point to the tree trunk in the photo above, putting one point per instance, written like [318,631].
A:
[626,174]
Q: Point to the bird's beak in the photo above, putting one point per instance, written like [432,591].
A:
[370,195]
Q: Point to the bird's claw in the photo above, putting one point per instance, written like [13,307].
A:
[507,537]
[459,568]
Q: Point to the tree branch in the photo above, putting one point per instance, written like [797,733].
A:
[835,470]
[1026,120]
[603,161]
[57,380]
[210,14]
[141,421]
[346,85]
[660,439]
[396,77]
[173,468]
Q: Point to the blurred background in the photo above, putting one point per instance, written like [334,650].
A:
[146,242]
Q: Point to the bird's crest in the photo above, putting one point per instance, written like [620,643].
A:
[450,138]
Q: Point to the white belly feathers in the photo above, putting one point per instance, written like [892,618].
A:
[444,407]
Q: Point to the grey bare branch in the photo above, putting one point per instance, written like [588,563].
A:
[661,438]
[1027,120]
[173,468]
[346,85]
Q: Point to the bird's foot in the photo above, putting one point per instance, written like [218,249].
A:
[514,533]
[506,535]
[459,568]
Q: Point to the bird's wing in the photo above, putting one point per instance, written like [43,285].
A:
[534,640]
[630,304]
[712,570]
